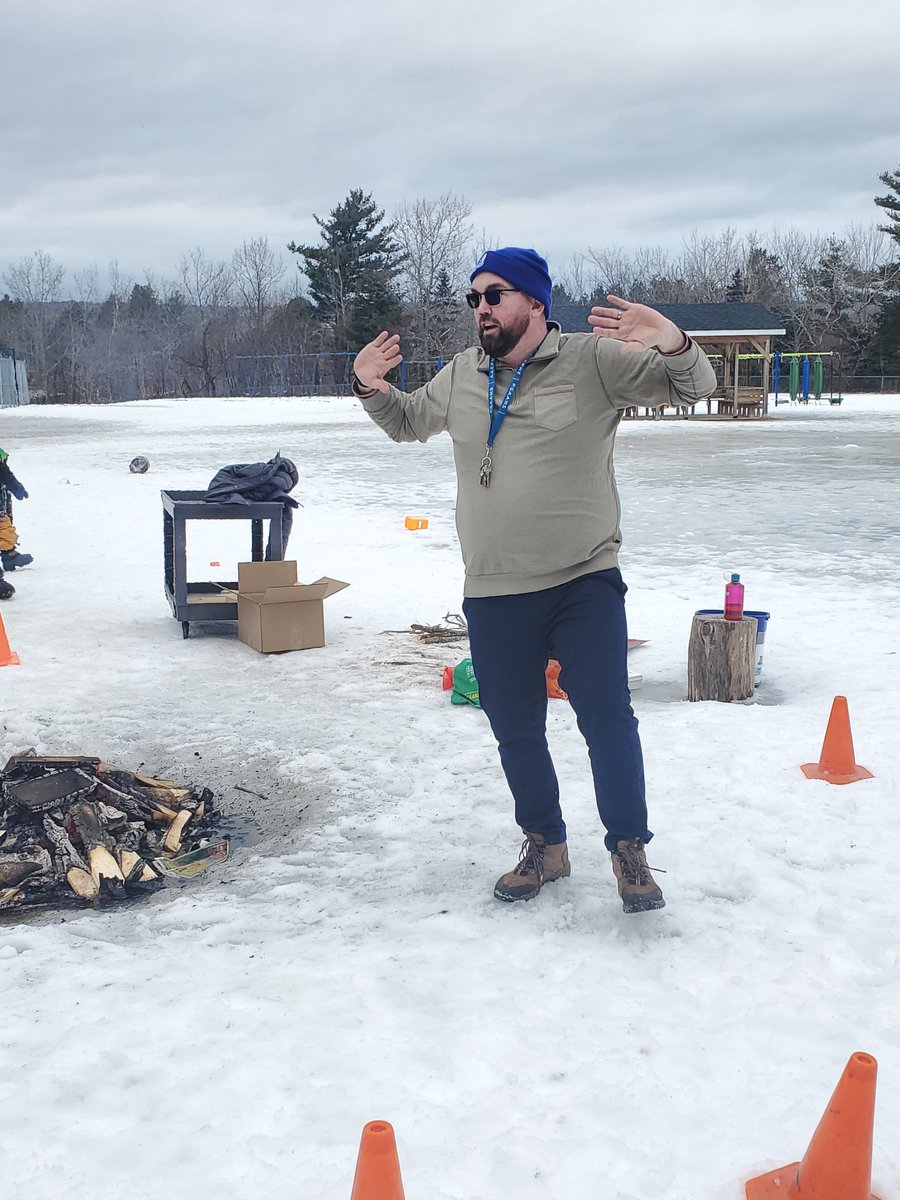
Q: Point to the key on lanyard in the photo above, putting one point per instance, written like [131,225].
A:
[486,464]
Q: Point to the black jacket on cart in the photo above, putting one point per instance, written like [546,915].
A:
[243,483]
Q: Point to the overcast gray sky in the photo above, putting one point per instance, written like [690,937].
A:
[138,131]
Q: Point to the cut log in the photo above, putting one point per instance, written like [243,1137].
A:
[721,658]
[135,805]
[69,862]
[14,873]
[172,840]
[152,781]
[97,846]
[162,813]
[82,883]
[131,864]
[135,869]
[166,794]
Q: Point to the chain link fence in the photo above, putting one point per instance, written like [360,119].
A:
[325,374]
[881,384]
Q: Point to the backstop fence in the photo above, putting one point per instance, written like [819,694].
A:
[325,374]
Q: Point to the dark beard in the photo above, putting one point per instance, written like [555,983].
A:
[498,342]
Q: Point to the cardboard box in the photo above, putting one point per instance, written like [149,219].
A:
[277,613]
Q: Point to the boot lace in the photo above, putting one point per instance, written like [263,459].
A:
[531,859]
[634,867]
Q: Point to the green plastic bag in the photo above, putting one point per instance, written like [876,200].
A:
[465,685]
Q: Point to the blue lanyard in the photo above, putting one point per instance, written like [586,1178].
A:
[497,418]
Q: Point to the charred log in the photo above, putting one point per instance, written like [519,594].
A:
[74,826]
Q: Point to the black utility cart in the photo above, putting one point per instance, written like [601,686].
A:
[211,601]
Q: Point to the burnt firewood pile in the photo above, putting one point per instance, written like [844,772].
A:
[77,830]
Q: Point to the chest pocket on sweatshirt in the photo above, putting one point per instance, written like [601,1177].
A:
[555,407]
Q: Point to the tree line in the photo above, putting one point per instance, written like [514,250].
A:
[127,340]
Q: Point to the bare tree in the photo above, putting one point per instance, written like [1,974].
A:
[80,317]
[86,285]
[613,271]
[208,289]
[36,280]
[648,276]
[707,265]
[577,279]
[257,273]
[207,284]
[435,237]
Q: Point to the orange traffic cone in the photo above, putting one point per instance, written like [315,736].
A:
[836,763]
[7,658]
[377,1168]
[838,1163]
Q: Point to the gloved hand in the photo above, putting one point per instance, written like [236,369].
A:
[9,481]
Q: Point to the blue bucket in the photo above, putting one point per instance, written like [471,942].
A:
[762,620]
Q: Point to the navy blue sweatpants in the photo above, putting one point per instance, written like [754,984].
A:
[582,625]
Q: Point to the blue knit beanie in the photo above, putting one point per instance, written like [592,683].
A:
[523,268]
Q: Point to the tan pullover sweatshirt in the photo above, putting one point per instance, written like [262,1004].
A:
[552,511]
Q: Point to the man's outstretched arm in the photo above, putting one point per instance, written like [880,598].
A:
[404,416]
[677,372]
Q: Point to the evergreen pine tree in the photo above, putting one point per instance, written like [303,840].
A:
[891,204]
[736,291]
[883,354]
[763,278]
[351,274]
[446,318]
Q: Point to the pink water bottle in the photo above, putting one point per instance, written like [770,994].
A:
[734,599]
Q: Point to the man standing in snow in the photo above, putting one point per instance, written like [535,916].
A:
[533,416]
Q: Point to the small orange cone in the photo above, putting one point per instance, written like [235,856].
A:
[838,1163]
[7,658]
[836,763]
[554,691]
[378,1167]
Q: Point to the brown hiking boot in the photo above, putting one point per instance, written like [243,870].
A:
[540,862]
[637,887]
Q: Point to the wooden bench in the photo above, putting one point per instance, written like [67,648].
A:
[750,402]
[657,412]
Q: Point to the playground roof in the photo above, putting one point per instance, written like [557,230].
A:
[703,320]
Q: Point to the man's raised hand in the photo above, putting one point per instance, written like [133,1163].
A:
[375,360]
[636,326]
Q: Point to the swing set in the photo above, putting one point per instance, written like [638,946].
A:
[806,375]
[799,370]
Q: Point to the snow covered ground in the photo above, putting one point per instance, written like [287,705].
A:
[231,1037]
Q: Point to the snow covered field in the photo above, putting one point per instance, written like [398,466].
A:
[231,1037]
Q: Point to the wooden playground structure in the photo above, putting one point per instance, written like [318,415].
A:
[732,335]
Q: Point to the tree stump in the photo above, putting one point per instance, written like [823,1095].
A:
[721,658]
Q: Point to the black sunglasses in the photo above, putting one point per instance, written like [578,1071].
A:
[493,295]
